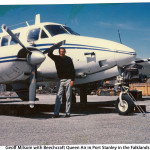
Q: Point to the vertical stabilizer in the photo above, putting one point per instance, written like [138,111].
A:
[37,19]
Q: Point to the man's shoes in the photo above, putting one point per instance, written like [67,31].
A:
[67,116]
[55,116]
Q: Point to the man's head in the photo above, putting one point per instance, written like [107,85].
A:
[62,52]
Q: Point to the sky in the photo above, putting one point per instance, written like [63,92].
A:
[93,20]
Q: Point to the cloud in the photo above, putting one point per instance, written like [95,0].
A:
[75,10]
[75,21]
[125,26]
[106,24]
[145,39]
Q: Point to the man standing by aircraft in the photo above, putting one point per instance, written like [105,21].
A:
[66,74]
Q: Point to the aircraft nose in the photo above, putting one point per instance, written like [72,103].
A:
[124,55]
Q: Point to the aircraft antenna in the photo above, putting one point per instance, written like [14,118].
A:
[119,36]
[20,23]
[27,23]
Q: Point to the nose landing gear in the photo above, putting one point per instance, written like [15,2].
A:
[126,103]
[124,106]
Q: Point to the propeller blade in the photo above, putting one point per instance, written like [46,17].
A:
[32,87]
[55,46]
[14,37]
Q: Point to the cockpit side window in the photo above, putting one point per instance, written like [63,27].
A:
[33,35]
[43,35]
[55,29]
[5,40]
[71,31]
[12,42]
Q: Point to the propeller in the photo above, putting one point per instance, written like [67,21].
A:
[32,86]
[55,46]
[14,37]
[34,58]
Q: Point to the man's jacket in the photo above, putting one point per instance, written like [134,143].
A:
[64,66]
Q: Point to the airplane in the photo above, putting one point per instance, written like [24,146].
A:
[139,70]
[145,63]
[24,60]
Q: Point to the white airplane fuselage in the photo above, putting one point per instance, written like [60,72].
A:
[94,59]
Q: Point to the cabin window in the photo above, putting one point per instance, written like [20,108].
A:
[12,42]
[43,35]
[5,40]
[55,30]
[33,35]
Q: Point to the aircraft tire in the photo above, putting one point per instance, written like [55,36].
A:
[128,105]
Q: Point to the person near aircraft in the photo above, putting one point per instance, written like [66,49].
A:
[66,74]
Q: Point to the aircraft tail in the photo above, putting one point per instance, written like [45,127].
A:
[37,19]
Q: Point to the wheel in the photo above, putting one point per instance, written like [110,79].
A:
[128,105]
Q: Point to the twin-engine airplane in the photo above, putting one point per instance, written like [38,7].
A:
[24,60]
[145,63]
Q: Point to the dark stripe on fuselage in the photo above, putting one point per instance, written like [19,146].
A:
[11,60]
[87,47]
[71,45]
[122,52]
[8,57]
[92,48]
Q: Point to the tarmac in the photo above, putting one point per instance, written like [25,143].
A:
[96,122]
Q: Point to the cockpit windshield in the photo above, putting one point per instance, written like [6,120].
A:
[58,29]
[71,31]
[55,29]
